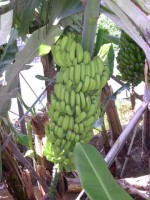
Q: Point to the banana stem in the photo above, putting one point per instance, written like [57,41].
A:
[91,15]
[54,182]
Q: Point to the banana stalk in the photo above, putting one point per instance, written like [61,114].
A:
[91,15]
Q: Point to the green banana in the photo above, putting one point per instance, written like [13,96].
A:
[77,74]
[57,106]
[66,75]
[59,133]
[79,87]
[76,128]
[72,52]
[83,72]
[81,128]
[57,142]
[72,98]
[51,111]
[56,115]
[79,52]
[86,57]
[63,42]
[68,45]
[88,71]
[78,101]
[86,84]
[58,58]
[69,110]
[62,93]
[65,123]
[91,111]
[75,103]
[89,121]
[69,135]
[75,62]
[88,103]
[57,89]
[77,138]
[67,59]
[82,98]
[51,137]
[62,106]
[71,74]
[81,117]
[78,110]
[69,85]
[67,97]
[60,121]
[59,77]
[92,69]
[67,145]
[98,81]
[71,122]
[99,65]
[103,81]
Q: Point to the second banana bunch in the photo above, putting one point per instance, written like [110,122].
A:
[75,103]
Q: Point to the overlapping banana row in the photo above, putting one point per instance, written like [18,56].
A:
[75,102]
[131,59]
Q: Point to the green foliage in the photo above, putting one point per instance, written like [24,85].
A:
[109,25]
[43,12]
[27,18]
[95,177]
[31,50]
[100,40]
[9,51]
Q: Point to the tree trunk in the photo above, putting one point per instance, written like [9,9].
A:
[112,114]
[49,71]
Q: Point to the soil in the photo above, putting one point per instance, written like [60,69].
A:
[135,166]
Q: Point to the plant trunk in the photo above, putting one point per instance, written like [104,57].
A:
[18,182]
[49,71]
[112,114]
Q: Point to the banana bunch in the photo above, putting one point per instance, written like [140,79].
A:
[131,60]
[75,103]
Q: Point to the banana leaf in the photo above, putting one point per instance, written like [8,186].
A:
[32,49]
[95,177]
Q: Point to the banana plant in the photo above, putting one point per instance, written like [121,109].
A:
[133,18]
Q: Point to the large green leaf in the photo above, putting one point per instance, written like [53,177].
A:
[32,49]
[95,177]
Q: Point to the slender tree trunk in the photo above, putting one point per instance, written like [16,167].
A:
[49,71]
[112,114]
